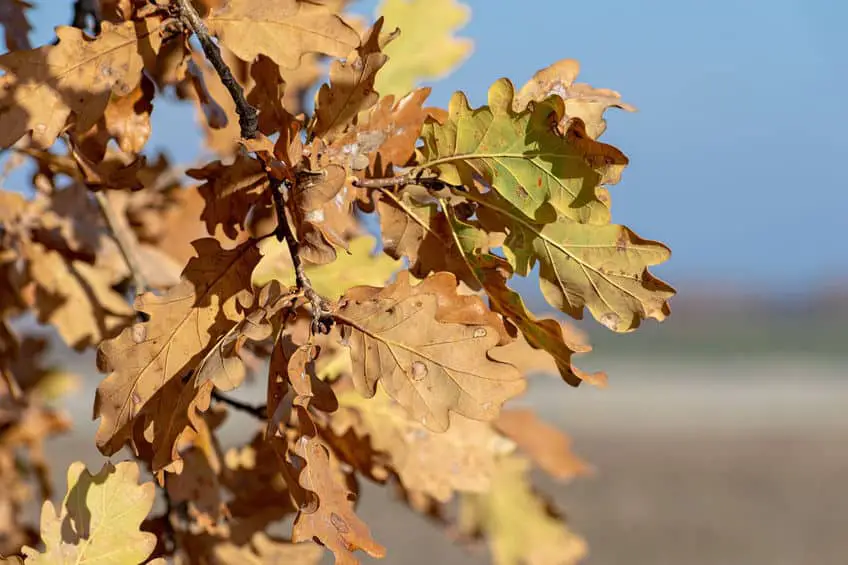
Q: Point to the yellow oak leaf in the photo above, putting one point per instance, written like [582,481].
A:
[602,268]
[359,266]
[426,48]
[147,361]
[44,87]
[98,520]
[283,30]
[431,364]
[520,527]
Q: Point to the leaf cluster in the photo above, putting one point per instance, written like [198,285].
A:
[385,356]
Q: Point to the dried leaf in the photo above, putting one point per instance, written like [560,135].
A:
[230,191]
[385,137]
[548,447]
[427,48]
[74,297]
[429,363]
[462,459]
[44,86]
[318,200]
[98,520]
[145,358]
[333,521]
[268,95]
[522,157]
[351,88]
[250,28]
[519,526]
[581,100]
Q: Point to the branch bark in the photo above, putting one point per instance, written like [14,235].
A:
[259,412]
[248,116]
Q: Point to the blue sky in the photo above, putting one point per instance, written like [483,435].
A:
[737,149]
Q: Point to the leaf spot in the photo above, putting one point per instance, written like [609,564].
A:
[418,371]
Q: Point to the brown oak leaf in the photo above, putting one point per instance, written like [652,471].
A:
[146,357]
[430,366]
[44,87]
[351,88]
[250,28]
[230,191]
[332,521]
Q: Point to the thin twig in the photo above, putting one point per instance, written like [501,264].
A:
[259,412]
[248,116]
[384,183]
[320,311]
[125,240]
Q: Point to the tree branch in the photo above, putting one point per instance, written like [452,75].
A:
[384,183]
[125,239]
[259,412]
[248,116]
[248,120]
[321,320]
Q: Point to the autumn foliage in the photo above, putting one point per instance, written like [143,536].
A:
[390,350]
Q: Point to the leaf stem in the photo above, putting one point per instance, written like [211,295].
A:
[125,239]
[248,116]
[259,412]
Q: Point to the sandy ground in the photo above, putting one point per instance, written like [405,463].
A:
[724,464]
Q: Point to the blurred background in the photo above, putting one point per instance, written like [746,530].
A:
[723,436]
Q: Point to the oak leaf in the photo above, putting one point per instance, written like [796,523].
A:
[385,136]
[519,526]
[98,520]
[75,297]
[426,48]
[44,87]
[602,268]
[359,266]
[333,521]
[548,447]
[430,363]
[490,273]
[250,28]
[437,464]
[265,550]
[522,157]
[581,100]
[230,192]
[149,356]
[268,95]
[319,200]
[351,88]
